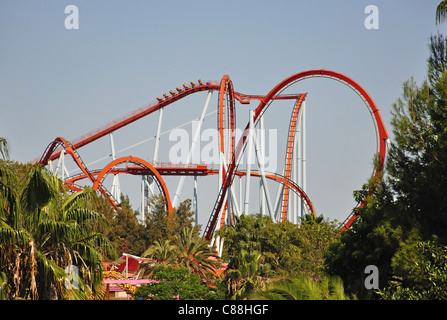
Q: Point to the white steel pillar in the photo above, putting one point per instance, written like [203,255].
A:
[295,163]
[304,177]
[241,195]
[196,139]
[279,193]
[147,183]
[300,166]
[62,166]
[157,137]
[248,170]
[195,201]
[261,184]
[299,162]
[116,189]
[260,159]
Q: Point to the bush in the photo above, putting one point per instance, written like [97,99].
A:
[175,284]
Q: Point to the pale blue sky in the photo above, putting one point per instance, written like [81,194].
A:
[59,82]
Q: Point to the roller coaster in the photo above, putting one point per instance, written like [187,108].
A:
[227,203]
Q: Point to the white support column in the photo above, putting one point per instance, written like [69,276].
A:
[304,182]
[241,197]
[196,139]
[233,196]
[299,162]
[295,163]
[116,189]
[112,146]
[278,204]
[195,201]
[279,193]
[150,184]
[67,174]
[260,159]
[261,184]
[56,170]
[248,170]
[143,199]
[157,137]
[50,166]
[62,163]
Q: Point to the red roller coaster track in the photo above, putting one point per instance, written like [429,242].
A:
[226,123]
[265,103]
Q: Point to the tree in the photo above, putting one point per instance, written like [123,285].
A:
[421,273]
[303,288]
[43,229]
[175,284]
[310,218]
[195,254]
[417,163]
[289,249]
[372,240]
[158,224]
[163,252]
[441,12]
[4,149]
[247,272]
[124,230]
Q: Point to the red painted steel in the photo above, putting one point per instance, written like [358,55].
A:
[262,107]
[134,160]
[289,153]
[208,85]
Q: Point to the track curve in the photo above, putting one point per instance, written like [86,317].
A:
[381,132]
[143,163]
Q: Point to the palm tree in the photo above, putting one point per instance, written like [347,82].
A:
[303,288]
[311,218]
[162,251]
[43,230]
[441,12]
[4,150]
[248,272]
[194,253]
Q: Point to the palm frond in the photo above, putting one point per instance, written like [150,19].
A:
[74,199]
[10,236]
[81,215]
[441,12]
[4,149]
[39,190]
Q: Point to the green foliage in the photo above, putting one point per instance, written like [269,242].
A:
[288,248]
[129,235]
[175,283]
[259,249]
[158,225]
[195,253]
[247,273]
[303,288]
[163,252]
[421,273]
[42,230]
[123,229]
[441,12]
[4,149]
[188,251]
[372,240]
